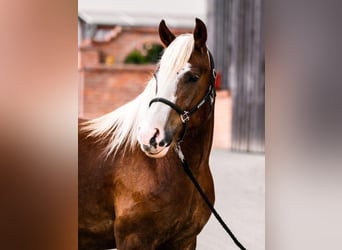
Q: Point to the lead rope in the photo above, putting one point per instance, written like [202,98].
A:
[204,196]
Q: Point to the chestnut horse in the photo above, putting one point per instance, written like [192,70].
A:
[133,191]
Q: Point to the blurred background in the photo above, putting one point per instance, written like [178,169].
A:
[39,88]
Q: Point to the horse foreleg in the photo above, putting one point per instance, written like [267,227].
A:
[133,238]
[186,244]
[190,245]
[134,242]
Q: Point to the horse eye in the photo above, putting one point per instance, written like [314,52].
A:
[193,78]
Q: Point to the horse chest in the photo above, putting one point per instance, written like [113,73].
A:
[161,197]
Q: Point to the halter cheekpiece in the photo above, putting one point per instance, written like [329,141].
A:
[185,115]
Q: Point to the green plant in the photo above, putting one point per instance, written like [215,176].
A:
[152,55]
[135,57]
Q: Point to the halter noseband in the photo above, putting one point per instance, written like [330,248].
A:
[185,115]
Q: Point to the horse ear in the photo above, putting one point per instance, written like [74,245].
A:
[200,35]
[166,36]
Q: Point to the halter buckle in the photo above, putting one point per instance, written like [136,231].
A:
[185,117]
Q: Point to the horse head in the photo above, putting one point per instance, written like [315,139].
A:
[183,83]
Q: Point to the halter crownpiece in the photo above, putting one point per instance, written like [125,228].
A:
[185,115]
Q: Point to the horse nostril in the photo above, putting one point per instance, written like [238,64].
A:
[153,141]
[164,143]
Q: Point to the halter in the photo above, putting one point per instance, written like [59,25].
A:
[185,115]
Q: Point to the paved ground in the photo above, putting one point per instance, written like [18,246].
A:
[240,200]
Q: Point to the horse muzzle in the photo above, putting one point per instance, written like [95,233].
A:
[152,142]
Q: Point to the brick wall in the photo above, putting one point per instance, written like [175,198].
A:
[127,40]
[104,89]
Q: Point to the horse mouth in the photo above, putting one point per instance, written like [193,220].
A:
[156,154]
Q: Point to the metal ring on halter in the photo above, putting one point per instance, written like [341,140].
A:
[185,117]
